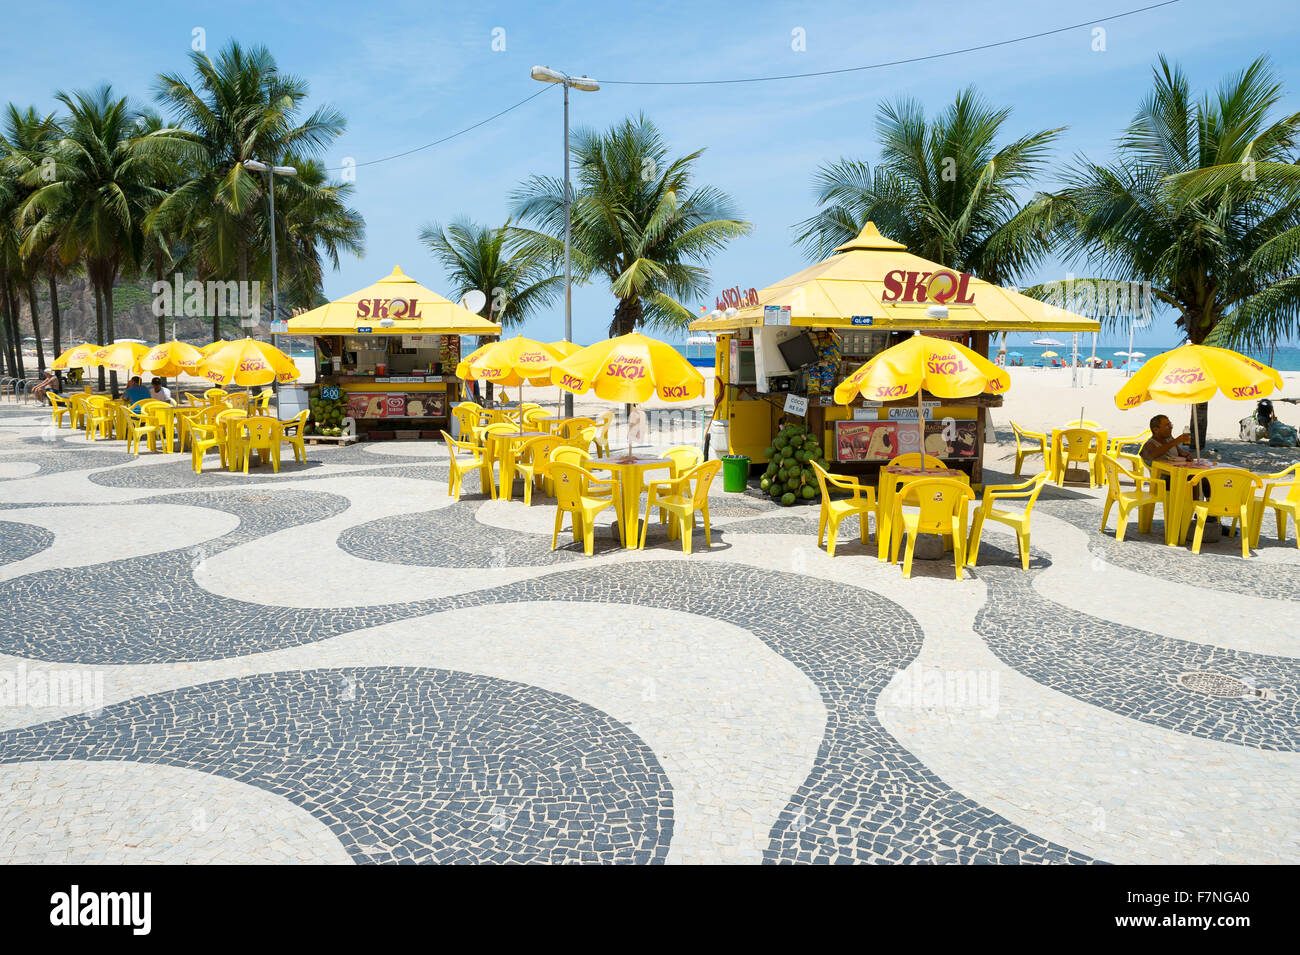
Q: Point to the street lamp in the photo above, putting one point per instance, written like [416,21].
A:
[544,74]
[271,171]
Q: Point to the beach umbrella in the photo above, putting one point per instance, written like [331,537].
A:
[1047,342]
[510,361]
[1015,354]
[246,362]
[630,369]
[171,358]
[1050,354]
[78,356]
[921,363]
[122,354]
[1192,374]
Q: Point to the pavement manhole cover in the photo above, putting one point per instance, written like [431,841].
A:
[1216,684]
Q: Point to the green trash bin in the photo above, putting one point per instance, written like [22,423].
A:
[735,472]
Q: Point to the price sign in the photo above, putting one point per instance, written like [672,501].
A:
[796,405]
[776,314]
[862,320]
[330,392]
[280,327]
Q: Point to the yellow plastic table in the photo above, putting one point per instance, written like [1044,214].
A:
[512,444]
[1178,503]
[165,415]
[895,479]
[630,472]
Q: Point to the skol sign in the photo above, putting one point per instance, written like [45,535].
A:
[394,308]
[735,298]
[943,286]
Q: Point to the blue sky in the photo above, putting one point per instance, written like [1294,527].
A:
[405,74]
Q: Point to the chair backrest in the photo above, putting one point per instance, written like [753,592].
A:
[1115,472]
[215,393]
[1078,443]
[573,427]
[57,400]
[568,454]
[913,459]
[224,419]
[684,458]
[1085,423]
[532,414]
[1229,487]
[537,451]
[703,475]
[1039,480]
[527,406]
[822,483]
[1027,435]
[570,483]
[260,431]
[938,499]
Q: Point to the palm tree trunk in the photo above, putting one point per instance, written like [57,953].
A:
[56,324]
[15,333]
[627,316]
[6,350]
[112,334]
[99,321]
[36,324]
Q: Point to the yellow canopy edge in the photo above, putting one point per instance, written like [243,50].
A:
[412,308]
[852,284]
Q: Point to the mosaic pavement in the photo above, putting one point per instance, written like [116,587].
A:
[339,664]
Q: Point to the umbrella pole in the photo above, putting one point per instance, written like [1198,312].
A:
[920,427]
[1196,433]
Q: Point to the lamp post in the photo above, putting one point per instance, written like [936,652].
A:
[271,173]
[544,74]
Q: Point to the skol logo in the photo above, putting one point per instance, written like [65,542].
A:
[569,381]
[252,364]
[530,357]
[942,285]
[630,369]
[388,308]
[946,366]
[901,286]
[1250,392]
[1183,376]
[673,391]
[890,391]
[1132,401]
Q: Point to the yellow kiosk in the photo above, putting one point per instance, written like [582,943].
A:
[782,357]
[389,353]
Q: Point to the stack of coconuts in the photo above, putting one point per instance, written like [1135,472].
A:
[789,476]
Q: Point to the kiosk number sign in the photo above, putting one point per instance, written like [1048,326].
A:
[330,392]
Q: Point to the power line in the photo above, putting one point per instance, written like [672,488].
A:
[878,66]
[438,142]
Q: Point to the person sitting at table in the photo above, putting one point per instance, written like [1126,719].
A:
[1163,446]
[135,391]
[49,383]
[160,391]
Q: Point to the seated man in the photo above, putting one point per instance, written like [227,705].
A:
[49,383]
[159,391]
[1163,446]
[135,391]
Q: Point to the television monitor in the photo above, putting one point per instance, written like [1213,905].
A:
[798,351]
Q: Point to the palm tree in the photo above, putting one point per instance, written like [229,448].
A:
[945,188]
[516,274]
[24,144]
[239,107]
[102,188]
[1184,207]
[637,219]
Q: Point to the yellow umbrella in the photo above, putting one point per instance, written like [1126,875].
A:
[510,361]
[630,369]
[247,362]
[943,368]
[171,358]
[78,356]
[1192,374]
[124,355]
[1050,354]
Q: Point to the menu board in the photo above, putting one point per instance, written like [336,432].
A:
[396,404]
[884,440]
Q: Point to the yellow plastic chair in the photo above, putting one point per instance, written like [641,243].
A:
[684,457]
[140,425]
[602,433]
[572,428]
[77,411]
[1018,521]
[683,503]
[1027,443]
[862,503]
[941,509]
[534,464]
[467,415]
[100,417]
[579,457]
[915,459]
[531,416]
[204,436]
[215,393]
[1282,494]
[1232,495]
[263,399]
[1146,492]
[494,450]
[60,408]
[459,467]
[572,496]
[292,433]
[263,436]
[1079,445]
